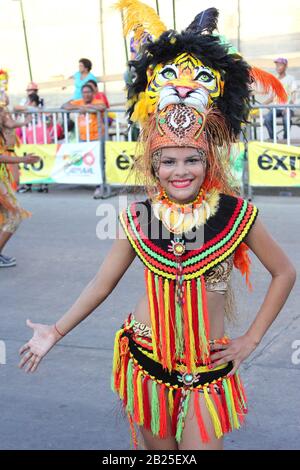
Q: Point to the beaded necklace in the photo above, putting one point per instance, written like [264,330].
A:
[179,218]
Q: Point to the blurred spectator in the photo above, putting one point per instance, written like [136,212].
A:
[98,94]
[9,129]
[290,86]
[32,89]
[34,131]
[102,96]
[51,129]
[86,104]
[34,102]
[82,77]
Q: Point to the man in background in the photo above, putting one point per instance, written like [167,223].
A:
[290,86]
[32,88]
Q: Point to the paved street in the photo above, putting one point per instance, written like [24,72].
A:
[67,403]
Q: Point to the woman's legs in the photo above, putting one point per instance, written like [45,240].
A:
[191,439]
[4,237]
[155,442]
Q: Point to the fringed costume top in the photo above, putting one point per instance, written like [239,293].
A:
[176,272]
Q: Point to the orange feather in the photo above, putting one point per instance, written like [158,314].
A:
[269,83]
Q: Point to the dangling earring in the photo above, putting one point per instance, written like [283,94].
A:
[156,156]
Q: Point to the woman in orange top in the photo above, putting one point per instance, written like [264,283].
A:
[88,127]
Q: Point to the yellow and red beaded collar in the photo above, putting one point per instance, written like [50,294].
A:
[164,198]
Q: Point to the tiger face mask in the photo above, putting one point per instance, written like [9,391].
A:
[185,80]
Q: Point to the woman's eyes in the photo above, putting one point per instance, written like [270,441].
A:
[172,162]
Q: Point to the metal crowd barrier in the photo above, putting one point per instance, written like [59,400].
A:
[109,128]
[256,129]
[119,130]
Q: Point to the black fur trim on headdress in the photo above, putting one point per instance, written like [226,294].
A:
[234,104]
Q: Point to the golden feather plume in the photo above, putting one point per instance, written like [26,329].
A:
[140,18]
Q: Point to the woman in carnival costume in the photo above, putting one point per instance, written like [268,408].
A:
[11,212]
[9,127]
[175,370]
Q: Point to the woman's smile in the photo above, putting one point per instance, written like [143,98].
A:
[181,183]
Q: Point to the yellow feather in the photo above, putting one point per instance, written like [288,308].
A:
[142,108]
[140,18]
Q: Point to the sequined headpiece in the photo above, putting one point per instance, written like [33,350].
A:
[178,126]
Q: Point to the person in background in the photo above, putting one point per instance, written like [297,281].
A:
[87,104]
[102,96]
[10,128]
[99,95]
[37,137]
[34,134]
[11,213]
[51,129]
[81,77]
[32,89]
[290,86]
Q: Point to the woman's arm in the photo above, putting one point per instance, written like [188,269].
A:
[283,279]
[9,123]
[69,106]
[111,271]
[283,275]
[96,107]
[20,108]
[29,158]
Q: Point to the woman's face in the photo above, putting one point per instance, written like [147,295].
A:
[82,68]
[181,172]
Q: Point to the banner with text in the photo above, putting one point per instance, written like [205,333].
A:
[273,164]
[62,163]
[119,158]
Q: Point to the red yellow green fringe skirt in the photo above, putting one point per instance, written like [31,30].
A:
[134,366]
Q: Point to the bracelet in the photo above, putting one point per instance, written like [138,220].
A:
[58,331]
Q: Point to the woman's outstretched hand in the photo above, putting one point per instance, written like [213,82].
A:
[43,339]
[237,350]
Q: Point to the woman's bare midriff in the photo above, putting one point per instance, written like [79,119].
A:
[215,305]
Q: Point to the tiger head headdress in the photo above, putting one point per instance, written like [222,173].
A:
[195,67]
